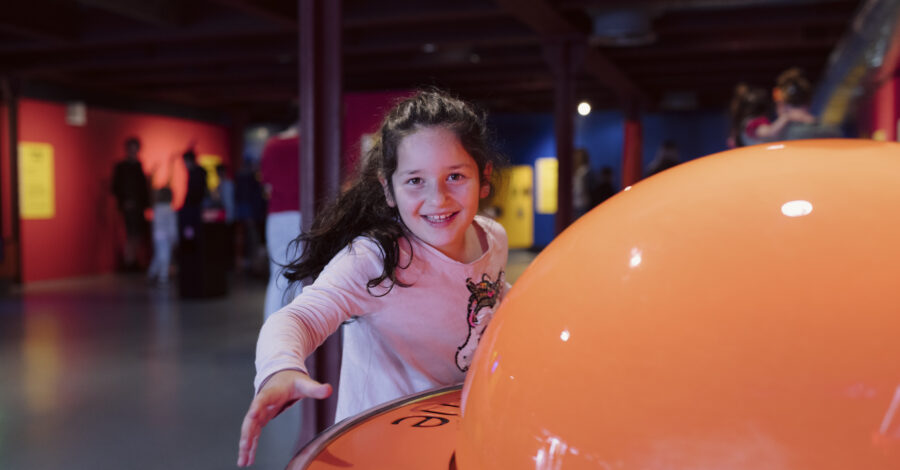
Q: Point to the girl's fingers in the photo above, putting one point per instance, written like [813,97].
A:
[256,417]
[307,387]
[267,405]
[252,453]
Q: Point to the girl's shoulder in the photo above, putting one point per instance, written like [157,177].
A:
[364,247]
[362,258]
[495,232]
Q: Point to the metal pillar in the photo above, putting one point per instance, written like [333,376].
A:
[320,104]
[10,90]
[565,56]
[320,157]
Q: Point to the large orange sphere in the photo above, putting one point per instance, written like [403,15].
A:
[738,312]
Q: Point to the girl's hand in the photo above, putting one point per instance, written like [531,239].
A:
[282,390]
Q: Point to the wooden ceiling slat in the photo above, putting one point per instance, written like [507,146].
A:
[426,13]
[545,20]
[166,13]
[283,14]
[30,20]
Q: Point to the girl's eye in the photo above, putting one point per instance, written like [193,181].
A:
[414,181]
[456,177]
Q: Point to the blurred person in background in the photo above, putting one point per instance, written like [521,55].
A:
[581,182]
[792,95]
[165,236]
[130,187]
[280,171]
[250,210]
[750,109]
[666,157]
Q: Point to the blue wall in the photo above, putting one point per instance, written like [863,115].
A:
[696,133]
[524,138]
[527,137]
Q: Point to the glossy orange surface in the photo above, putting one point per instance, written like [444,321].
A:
[741,311]
[413,433]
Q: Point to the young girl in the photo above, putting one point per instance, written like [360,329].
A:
[402,257]
[165,236]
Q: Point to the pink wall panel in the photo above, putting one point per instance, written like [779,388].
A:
[362,115]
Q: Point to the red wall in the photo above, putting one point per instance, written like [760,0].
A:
[83,237]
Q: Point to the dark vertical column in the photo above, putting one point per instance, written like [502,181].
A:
[320,154]
[564,56]
[10,89]
[320,103]
[632,167]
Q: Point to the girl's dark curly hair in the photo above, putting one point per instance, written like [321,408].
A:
[362,209]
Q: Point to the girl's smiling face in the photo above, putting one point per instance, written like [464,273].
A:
[436,189]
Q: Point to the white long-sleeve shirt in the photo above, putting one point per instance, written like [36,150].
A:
[409,340]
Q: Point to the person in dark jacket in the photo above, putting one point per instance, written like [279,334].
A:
[129,186]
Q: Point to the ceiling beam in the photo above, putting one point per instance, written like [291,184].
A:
[716,49]
[368,15]
[444,37]
[543,19]
[166,13]
[214,32]
[190,77]
[150,59]
[30,19]
[689,4]
[282,14]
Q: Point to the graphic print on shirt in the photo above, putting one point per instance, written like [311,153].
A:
[484,295]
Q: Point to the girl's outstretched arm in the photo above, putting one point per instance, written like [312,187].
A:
[281,391]
[290,335]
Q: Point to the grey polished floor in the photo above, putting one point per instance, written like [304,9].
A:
[110,373]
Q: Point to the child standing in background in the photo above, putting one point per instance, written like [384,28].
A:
[403,259]
[165,235]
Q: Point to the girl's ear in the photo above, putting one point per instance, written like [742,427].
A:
[486,181]
[387,191]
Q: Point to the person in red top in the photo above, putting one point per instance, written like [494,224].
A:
[280,171]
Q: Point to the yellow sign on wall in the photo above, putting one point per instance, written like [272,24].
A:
[36,181]
[516,206]
[547,170]
[209,163]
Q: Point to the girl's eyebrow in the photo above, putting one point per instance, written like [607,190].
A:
[449,168]
[460,165]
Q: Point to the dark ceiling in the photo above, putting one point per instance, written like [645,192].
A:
[226,55]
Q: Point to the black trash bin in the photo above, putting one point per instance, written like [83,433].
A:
[203,261]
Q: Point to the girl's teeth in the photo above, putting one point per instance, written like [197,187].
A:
[438,218]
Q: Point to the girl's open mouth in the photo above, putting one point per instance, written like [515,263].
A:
[441,219]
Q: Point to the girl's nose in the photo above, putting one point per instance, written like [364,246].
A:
[438,194]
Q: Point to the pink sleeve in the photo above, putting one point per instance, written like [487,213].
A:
[291,334]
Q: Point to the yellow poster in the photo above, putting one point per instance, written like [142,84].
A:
[547,171]
[209,163]
[36,183]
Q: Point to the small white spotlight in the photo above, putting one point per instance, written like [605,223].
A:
[797,208]
[584,108]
